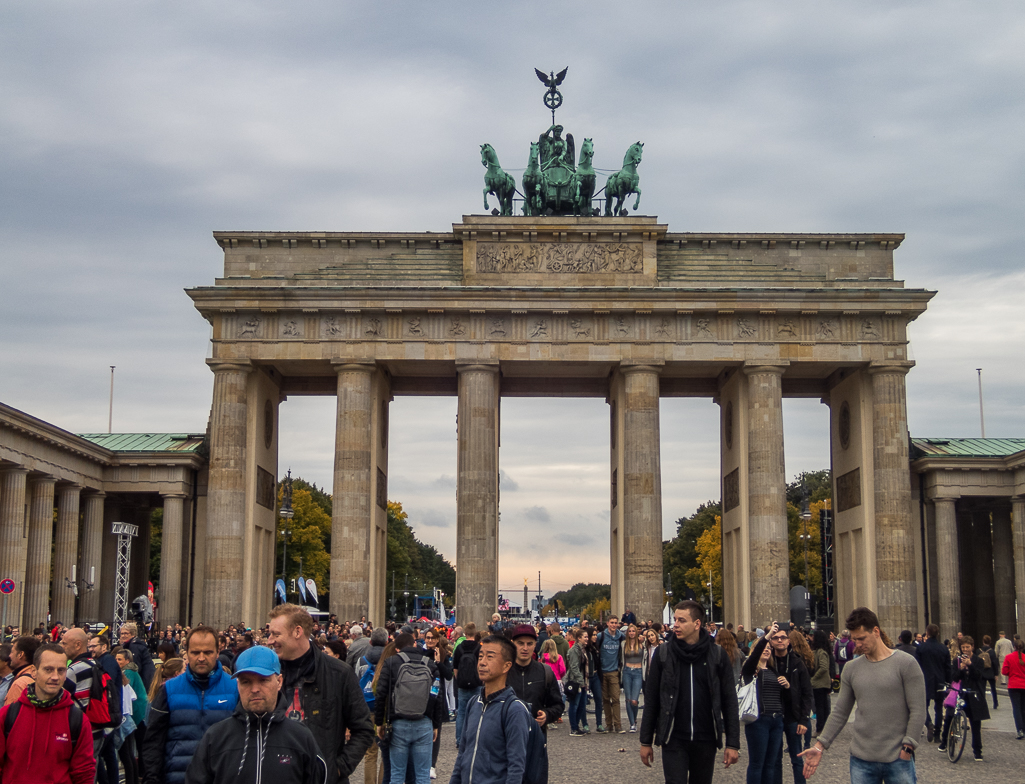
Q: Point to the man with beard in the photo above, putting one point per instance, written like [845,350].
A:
[690,701]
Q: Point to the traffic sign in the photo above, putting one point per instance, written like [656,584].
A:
[7,586]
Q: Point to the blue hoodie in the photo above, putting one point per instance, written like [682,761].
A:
[492,751]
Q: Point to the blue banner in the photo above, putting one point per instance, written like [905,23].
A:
[279,591]
[312,588]
[302,589]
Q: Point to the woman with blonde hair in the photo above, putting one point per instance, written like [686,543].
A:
[550,656]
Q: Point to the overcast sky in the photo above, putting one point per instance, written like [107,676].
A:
[130,131]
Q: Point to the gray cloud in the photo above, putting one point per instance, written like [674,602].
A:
[127,137]
[538,514]
[506,482]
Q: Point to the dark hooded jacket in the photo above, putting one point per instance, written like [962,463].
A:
[250,749]
[681,676]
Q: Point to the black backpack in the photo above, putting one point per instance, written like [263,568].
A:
[74,721]
[535,767]
[466,666]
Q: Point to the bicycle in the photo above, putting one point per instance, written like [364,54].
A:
[960,729]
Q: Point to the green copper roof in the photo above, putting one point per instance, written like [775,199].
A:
[966,447]
[145,442]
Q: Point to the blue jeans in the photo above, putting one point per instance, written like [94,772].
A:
[594,686]
[795,745]
[577,710]
[411,739]
[632,687]
[764,748]
[897,772]
[463,697]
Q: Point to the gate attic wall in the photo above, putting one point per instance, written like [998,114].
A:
[617,308]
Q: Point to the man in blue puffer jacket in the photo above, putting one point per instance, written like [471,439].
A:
[185,707]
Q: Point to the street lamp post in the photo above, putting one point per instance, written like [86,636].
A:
[286,514]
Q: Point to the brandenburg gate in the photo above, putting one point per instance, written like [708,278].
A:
[614,307]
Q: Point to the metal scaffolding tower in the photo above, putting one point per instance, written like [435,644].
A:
[125,532]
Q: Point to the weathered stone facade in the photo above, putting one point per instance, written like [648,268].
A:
[618,308]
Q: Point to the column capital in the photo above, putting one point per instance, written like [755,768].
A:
[42,479]
[92,492]
[754,367]
[165,496]
[230,365]
[353,365]
[898,367]
[944,499]
[71,487]
[477,366]
[14,469]
[629,367]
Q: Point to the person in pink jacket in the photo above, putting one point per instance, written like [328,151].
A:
[550,656]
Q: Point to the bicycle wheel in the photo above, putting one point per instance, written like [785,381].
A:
[958,735]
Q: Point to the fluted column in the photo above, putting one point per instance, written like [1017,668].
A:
[92,557]
[226,495]
[982,566]
[169,601]
[352,506]
[896,582]
[1003,568]
[770,555]
[1018,536]
[40,542]
[477,493]
[12,538]
[65,561]
[642,492]
[948,568]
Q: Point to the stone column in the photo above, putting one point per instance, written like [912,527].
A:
[92,557]
[642,492]
[65,559]
[477,493]
[352,506]
[12,538]
[226,495]
[40,542]
[1003,569]
[1018,535]
[169,601]
[982,565]
[896,590]
[770,554]
[947,566]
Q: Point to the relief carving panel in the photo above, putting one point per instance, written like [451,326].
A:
[559,258]
[848,490]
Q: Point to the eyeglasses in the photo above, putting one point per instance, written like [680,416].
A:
[779,638]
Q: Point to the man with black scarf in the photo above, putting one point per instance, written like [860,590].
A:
[690,701]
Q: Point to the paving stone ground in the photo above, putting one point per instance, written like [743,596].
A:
[600,759]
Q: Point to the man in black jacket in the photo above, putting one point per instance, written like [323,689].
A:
[413,730]
[534,682]
[690,699]
[258,743]
[321,692]
[129,637]
[934,659]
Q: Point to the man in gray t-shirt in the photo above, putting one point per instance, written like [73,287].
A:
[889,689]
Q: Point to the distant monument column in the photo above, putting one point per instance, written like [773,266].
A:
[62,606]
[40,542]
[1003,568]
[92,557]
[353,499]
[770,554]
[477,493]
[947,566]
[642,492]
[12,537]
[226,495]
[169,600]
[896,583]
[1018,534]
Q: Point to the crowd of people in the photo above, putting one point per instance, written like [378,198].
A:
[302,701]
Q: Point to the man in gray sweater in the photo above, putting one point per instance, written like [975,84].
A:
[889,689]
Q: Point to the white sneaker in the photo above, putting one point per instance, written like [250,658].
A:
[434,774]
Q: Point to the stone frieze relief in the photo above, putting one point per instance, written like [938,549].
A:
[607,258]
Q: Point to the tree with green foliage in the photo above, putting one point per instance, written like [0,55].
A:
[582,594]
[426,567]
[679,554]
[309,533]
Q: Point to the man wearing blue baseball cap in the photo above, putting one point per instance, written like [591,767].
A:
[258,743]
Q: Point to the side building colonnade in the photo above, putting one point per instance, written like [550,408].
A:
[59,494]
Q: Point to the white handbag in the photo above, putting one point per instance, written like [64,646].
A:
[747,701]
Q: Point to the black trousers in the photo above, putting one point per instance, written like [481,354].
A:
[823,707]
[688,762]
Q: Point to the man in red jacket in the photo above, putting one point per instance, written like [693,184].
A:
[48,738]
